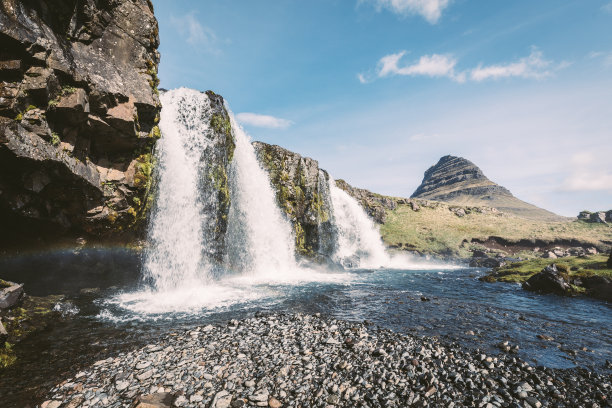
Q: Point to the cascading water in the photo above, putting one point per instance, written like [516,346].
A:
[260,240]
[192,263]
[358,240]
[326,228]
[176,231]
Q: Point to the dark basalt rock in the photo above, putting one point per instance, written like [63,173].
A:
[78,114]
[302,192]
[10,294]
[549,280]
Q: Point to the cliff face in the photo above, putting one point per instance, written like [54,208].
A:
[78,114]
[302,192]
[217,161]
[374,204]
[456,180]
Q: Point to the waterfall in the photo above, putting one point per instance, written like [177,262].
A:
[178,222]
[326,228]
[358,241]
[260,238]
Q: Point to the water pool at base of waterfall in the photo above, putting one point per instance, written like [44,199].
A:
[104,285]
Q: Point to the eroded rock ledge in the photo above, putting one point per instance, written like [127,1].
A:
[78,114]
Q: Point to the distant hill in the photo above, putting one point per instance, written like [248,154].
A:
[456,180]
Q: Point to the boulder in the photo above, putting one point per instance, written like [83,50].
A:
[10,295]
[479,254]
[487,262]
[584,215]
[598,217]
[549,280]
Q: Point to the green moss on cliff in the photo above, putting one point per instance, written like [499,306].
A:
[221,124]
[221,184]
[155,133]
[318,205]
[300,240]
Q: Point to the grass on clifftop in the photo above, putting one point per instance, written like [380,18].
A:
[574,267]
[436,229]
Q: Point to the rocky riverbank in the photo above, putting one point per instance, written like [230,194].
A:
[312,361]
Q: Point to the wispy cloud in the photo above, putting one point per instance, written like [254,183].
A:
[434,65]
[264,121]
[587,174]
[194,32]
[431,10]
[607,7]
[534,66]
[605,57]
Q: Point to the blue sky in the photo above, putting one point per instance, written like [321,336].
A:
[378,90]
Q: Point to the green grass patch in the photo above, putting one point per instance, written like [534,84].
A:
[571,267]
[435,229]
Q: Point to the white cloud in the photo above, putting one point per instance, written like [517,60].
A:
[587,173]
[587,181]
[362,78]
[194,32]
[434,65]
[431,10]
[607,7]
[264,121]
[606,57]
[534,66]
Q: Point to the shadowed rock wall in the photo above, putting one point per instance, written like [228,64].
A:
[78,116]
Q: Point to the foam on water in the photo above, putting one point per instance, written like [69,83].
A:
[179,273]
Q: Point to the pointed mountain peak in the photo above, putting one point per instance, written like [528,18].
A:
[456,180]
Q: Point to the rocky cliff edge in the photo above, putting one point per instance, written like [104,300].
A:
[78,116]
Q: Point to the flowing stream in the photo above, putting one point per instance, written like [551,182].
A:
[119,300]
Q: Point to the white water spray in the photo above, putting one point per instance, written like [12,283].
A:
[260,239]
[175,257]
[358,240]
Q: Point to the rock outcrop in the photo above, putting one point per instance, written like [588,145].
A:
[376,205]
[458,181]
[302,192]
[78,114]
[550,280]
[598,217]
